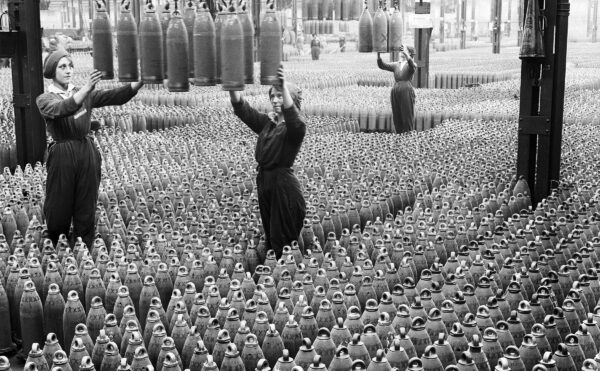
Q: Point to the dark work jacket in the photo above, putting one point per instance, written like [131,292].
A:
[277,145]
[67,120]
[402,71]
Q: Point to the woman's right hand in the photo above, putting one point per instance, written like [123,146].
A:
[93,79]
[87,88]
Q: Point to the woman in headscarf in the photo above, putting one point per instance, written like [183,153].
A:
[403,94]
[280,136]
[74,162]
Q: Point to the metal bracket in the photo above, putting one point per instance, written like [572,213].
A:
[8,43]
[21,100]
[534,125]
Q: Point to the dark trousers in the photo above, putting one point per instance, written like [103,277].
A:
[282,207]
[74,168]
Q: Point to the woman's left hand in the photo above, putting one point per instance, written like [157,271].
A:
[280,77]
[281,85]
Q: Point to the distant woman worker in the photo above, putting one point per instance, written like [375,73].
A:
[74,162]
[403,94]
[315,47]
[280,136]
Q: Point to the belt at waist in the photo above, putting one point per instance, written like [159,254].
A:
[260,168]
[65,140]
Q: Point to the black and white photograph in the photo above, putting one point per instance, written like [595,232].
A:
[299,185]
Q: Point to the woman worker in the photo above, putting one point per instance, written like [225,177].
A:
[315,47]
[74,161]
[280,136]
[403,94]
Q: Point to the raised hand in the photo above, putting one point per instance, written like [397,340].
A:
[89,85]
[280,77]
[93,79]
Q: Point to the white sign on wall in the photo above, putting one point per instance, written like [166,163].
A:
[422,16]
[421,21]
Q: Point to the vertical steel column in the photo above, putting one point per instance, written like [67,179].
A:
[473,20]
[520,21]
[457,28]
[67,12]
[497,25]
[544,150]
[528,110]
[73,14]
[27,79]
[80,11]
[442,20]
[463,24]
[594,29]
[529,106]
[588,17]
[422,38]
[558,98]
[508,18]
[542,104]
